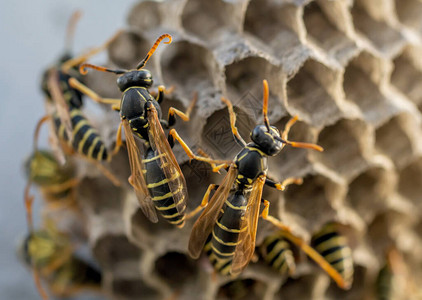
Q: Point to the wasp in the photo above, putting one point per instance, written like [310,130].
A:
[333,246]
[155,174]
[277,253]
[72,132]
[50,255]
[231,215]
[56,182]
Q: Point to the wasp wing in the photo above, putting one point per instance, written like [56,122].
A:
[62,108]
[169,165]
[246,247]
[203,226]
[137,179]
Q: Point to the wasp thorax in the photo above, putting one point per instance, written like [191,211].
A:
[267,141]
[135,78]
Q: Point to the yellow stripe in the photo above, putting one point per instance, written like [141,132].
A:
[171,216]
[67,95]
[153,158]
[91,148]
[158,198]
[220,241]
[133,87]
[75,112]
[85,137]
[240,158]
[141,96]
[146,125]
[235,207]
[78,126]
[164,181]
[221,254]
[255,149]
[101,153]
[276,250]
[230,229]
[178,221]
[61,131]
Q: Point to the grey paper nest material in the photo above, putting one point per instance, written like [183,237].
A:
[351,71]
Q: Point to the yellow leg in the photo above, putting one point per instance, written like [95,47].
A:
[233,121]
[306,248]
[185,116]
[282,186]
[204,202]
[191,155]
[91,94]
[82,58]
[38,284]
[119,142]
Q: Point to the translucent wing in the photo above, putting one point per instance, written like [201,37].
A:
[137,179]
[62,108]
[169,165]
[246,247]
[203,226]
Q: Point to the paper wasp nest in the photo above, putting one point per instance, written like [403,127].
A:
[352,72]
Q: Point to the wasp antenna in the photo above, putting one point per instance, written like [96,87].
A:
[83,69]
[303,145]
[153,48]
[265,104]
[71,29]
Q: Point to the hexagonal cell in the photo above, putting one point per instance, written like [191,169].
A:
[207,19]
[292,162]
[389,42]
[346,145]
[128,49]
[217,137]
[379,233]
[394,139]
[146,15]
[406,77]
[362,78]
[111,250]
[245,89]
[409,13]
[189,67]
[311,201]
[409,182]
[357,291]
[310,94]
[324,33]
[278,25]
[126,289]
[368,192]
[176,269]
[242,289]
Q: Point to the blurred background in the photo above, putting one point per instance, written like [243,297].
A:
[33,36]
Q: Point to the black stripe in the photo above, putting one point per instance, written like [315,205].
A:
[77,138]
[277,256]
[271,245]
[88,142]
[331,250]
[324,238]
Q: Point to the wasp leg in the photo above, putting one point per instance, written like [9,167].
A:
[281,186]
[159,95]
[66,66]
[115,103]
[311,252]
[173,135]
[119,142]
[172,111]
[204,201]
[233,127]
[38,284]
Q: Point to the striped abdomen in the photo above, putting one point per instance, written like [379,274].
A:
[221,265]
[277,253]
[86,140]
[158,187]
[225,234]
[334,248]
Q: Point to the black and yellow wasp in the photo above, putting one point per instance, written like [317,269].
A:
[277,253]
[155,174]
[55,181]
[231,215]
[50,254]
[333,246]
[71,131]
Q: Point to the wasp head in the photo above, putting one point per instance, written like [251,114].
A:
[135,78]
[268,141]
